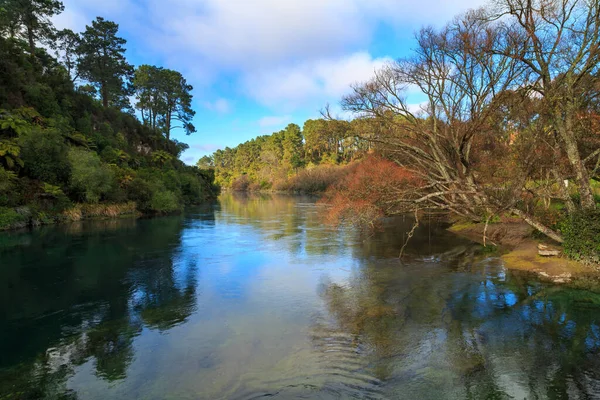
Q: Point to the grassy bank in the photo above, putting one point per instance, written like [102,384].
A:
[23,217]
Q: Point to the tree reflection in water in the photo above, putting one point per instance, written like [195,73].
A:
[88,310]
[88,301]
[444,333]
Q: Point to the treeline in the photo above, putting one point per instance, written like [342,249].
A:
[510,125]
[293,159]
[68,133]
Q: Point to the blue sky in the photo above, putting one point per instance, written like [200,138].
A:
[257,65]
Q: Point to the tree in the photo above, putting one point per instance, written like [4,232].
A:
[206,162]
[449,142]
[556,42]
[164,97]
[178,103]
[103,62]
[67,46]
[293,147]
[30,19]
[147,84]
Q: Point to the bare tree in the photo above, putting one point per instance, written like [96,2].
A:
[447,141]
[557,42]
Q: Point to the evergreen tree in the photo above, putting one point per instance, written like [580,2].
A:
[29,19]
[164,98]
[103,62]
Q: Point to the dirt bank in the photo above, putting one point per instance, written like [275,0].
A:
[520,250]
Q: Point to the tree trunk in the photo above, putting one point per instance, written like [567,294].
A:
[104,94]
[581,174]
[565,129]
[31,40]
[537,225]
[168,120]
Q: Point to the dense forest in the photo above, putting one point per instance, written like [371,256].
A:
[71,145]
[509,127]
[295,159]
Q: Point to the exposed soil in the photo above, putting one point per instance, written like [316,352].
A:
[520,250]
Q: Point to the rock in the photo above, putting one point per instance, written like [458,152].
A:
[549,253]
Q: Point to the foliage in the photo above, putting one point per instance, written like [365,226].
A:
[314,180]
[91,179]
[164,97]
[368,191]
[164,201]
[581,232]
[29,20]
[60,145]
[510,114]
[44,156]
[281,161]
[9,218]
[103,62]
[241,184]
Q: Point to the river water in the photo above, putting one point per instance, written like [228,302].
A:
[253,297]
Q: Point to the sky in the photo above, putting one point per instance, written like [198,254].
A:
[258,65]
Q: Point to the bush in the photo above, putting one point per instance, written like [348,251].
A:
[7,179]
[362,196]
[164,201]
[9,218]
[191,188]
[44,154]
[581,232]
[316,180]
[91,179]
[241,184]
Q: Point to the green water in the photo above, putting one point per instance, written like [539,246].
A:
[252,297]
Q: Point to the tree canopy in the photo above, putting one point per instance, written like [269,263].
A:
[65,141]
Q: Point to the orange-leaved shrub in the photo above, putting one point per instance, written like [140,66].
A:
[370,190]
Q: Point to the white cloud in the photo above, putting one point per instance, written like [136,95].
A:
[300,85]
[72,19]
[269,121]
[284,54]
[221,106]
[418,108]
[206,147]
[246,34]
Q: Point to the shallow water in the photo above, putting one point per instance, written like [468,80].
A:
[252,297]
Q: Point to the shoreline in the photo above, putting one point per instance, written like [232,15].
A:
[519,251]
[81,212]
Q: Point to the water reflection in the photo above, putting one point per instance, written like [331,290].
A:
[253,297]
[85,291]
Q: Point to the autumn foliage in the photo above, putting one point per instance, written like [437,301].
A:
[367,192]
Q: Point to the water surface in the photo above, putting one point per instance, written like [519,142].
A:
[253,297]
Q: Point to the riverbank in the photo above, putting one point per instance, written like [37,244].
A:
[520,251]
[25,217]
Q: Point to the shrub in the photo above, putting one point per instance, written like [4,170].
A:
[10,218]
[90,178]
[140,190]
[7,179]
[581,232]
[164,201]
[241,184]
[44,154]
[191,188]
[367,192]
[316,180]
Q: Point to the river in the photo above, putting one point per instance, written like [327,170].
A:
[253,297]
